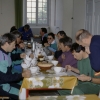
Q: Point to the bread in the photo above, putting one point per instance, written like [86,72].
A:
[45,64]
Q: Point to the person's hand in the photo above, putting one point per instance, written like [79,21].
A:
[68,67]
[46,44]
[23,55]
[31,55]
[26,74]
[84,78]
[22,45]
[63,56]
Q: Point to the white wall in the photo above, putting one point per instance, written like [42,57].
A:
[7,15]
[78,16]
[67,15]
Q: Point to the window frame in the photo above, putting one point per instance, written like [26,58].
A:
[25,14]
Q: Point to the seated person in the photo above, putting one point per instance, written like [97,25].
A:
[52,45]
[60,34]
[8,81]
[17,54]
[66,58]
[13,28]
[88,83]
[26,32]
[44,34]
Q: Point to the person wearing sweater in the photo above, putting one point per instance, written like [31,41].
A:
[66,58]
[8,80]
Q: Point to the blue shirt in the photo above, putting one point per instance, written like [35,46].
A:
[25,35]
[95,52]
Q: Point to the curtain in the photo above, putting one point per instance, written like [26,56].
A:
[18,13]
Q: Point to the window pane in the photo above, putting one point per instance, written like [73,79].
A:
[39,9]
[39,15]
[44,21]
[29,15]
[44,0]
[40,0]
[28,0]
[44,4]
[28,20]
[40,21]
[44,15]
[33,21]
[33,4]
[40,4]
[34,0]
[28,9]
[28,4]
[34,15]
[33,9]
[45,10]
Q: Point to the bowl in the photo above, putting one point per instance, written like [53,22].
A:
[57,69]
[54,62]
[50,57]
[33,69]
[24,65]
[44,65]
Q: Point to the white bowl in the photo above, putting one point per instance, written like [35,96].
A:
[54,62]
[57,69]
[27,61]
[50,57]
[33,69]
[24,65]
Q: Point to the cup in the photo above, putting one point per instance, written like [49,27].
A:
[24,65]
[54,62]
[28,58]
[33,70]
[50,57]
[57,69]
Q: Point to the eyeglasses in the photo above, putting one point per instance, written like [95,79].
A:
[49,38]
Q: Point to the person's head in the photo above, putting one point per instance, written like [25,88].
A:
[43,31]
[13,28]
[18,35]
[61,34]
[26,27]
[7,42]
[78,51]
[65,44]
[51,37]
[83,37]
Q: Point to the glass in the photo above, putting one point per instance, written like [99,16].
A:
[28,20]
[33,4]
[40,21]
[28,9]
[33,21]
[29,15]
[33,15]
[40,5]
[40,15]
[45,5]
[33,9]
[44,0]
[40,10]
[28,4]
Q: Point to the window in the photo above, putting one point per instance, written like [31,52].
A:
[37,12]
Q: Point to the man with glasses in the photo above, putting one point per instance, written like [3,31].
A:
[92,44]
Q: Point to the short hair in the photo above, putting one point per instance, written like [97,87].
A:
[44,30]
[17,34]
[7,37]
[13,28]
[62,33]
[77,48]
[81,34]
[67,41]
[52,34]
[27,27]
